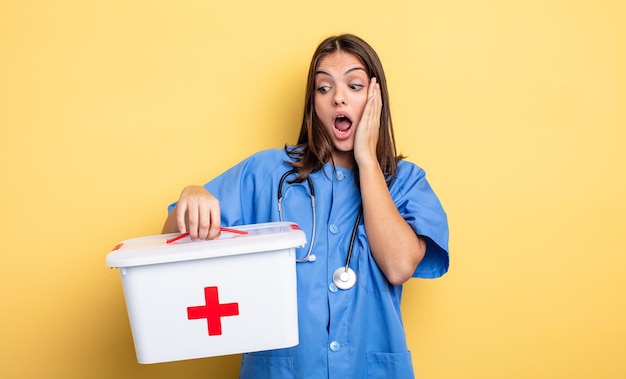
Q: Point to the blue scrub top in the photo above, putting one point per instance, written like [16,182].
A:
[355,333]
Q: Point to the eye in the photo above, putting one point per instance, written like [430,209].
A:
[323,89]
[356,87]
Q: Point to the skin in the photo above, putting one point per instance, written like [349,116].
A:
[342,87]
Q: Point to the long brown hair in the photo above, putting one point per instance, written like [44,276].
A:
[314,148]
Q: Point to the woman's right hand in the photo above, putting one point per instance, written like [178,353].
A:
[197,213]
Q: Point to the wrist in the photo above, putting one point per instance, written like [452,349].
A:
[367,162]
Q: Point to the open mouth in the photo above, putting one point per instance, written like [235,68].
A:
[342,124]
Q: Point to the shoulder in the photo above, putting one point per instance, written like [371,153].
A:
[265,162]
[411,181]
[268,157]
[269,154]
[256,170]
[408,171]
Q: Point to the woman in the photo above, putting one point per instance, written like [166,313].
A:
[346,149]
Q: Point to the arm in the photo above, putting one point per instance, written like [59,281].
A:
[394,245]
[196,212]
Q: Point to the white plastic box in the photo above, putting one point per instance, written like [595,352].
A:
[192,299]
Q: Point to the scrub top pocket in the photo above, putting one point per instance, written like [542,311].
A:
[259,366]
[389,366]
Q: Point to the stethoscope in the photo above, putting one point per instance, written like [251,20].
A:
[343,277]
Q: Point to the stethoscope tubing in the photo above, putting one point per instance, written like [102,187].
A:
[308,257]
[353,238]
[344,277]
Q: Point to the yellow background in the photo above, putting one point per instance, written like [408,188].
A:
[516,109]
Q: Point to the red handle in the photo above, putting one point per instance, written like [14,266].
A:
[227,230]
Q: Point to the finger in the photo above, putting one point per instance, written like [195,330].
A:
[378,102]
[374,96]
[375,105]
[371,94]
[181,211]
[372,87]
[215,213]
[367,111]
[204,222]
[193,216]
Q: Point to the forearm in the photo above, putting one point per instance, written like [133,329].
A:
[394,245]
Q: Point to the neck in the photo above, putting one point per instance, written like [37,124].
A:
[344,159]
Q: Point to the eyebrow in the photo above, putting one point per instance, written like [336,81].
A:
[345,73]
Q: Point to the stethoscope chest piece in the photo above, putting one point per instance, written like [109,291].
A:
[344,278]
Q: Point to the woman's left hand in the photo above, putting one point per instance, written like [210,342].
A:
[366,137]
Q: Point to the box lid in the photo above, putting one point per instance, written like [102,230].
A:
[244,239]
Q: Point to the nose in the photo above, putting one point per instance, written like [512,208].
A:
[339,98]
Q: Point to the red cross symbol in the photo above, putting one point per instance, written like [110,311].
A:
[213,311]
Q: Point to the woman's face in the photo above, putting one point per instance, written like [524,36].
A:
[341,84]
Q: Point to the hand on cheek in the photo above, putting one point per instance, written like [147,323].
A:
[366,137]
